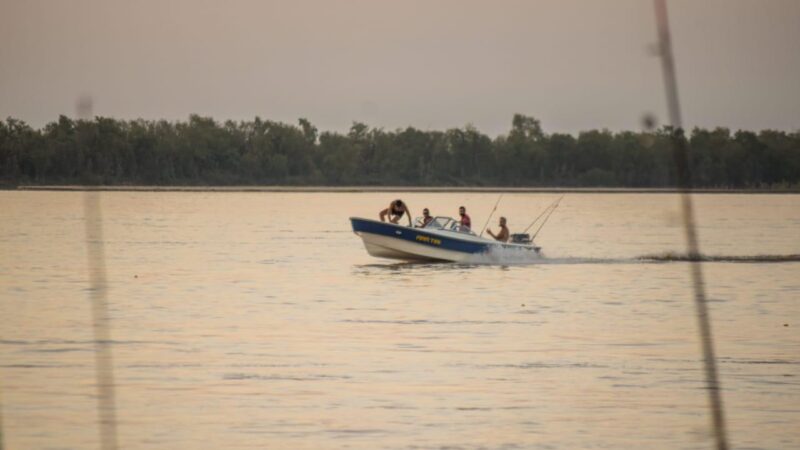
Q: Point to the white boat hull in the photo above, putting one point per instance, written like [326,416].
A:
[389,247]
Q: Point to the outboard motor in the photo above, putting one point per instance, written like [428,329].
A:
[521,238]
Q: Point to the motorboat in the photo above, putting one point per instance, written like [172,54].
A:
[441,239]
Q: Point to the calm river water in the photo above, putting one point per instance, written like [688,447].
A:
[257,320]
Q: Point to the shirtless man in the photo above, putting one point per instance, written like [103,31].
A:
[395,212]
[426,218]
[503,234]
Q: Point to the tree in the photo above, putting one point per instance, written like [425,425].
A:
[201,150]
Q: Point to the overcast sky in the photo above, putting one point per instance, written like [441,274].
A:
[574,64]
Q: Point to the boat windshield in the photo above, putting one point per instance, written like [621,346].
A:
[438,222]
[447,223]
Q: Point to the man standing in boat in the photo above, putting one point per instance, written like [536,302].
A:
[395,212]
[466,222]
[503,234]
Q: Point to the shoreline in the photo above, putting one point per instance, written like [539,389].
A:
[422,189]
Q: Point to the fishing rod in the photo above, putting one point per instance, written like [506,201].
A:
[551,205]
[490,215]
[555,205]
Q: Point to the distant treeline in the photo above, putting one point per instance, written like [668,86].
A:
[202,151]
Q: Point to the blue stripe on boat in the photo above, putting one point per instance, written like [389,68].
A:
[417,235]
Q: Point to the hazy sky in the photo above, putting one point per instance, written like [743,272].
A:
[432,64]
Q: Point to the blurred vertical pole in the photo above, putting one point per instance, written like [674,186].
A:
[104,365]
[1,417]
[681,155]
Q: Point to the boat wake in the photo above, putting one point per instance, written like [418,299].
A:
[509,256]
[522,256]
[512,257]
[505,255]
[683,257]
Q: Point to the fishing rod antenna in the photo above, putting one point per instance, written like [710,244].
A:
[547,217]
[554,204]
[491,214]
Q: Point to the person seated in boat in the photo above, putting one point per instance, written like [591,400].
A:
[466,222]
[395,212]
[503,234]
[426,218]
